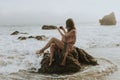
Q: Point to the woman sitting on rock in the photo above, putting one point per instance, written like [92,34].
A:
[68,38]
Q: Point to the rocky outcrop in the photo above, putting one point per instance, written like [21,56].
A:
[108,19]
[48,27]
[39,37]
[42,37]
[22,38]
[76,60]
[17,32]
[31,37]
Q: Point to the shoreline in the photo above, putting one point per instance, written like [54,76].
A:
[99,72]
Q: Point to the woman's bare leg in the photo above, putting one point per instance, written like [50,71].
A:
[64,59]
[57,42]
[52,49]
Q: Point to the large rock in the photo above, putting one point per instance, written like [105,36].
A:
[108,19]
[76,60]
[48,27]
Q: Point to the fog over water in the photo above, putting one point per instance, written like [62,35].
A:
[55,11]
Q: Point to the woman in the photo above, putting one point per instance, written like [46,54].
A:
[68,37]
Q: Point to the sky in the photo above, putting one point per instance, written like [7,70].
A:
[55,11]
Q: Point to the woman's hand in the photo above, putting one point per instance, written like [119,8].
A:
[61,27]
[58,29]
[40,52]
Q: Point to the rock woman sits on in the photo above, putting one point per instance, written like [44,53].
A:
[68,40]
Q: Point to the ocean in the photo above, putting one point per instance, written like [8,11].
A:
[15,55]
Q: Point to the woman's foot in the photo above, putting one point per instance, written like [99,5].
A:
[63,64]
[40,51]
[50,63]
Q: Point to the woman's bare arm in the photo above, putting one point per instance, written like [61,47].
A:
[63,29]
[60,32]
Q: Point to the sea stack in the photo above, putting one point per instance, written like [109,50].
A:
[108,19]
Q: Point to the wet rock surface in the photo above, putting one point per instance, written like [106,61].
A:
[75,61]
[41,37]
[22,38]
[17,32]
[48,27]
[38,37]
[108,19]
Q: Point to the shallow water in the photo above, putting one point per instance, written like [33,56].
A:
[112,54]
[98,72]
[15,55]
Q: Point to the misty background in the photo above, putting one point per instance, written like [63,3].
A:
[35,12]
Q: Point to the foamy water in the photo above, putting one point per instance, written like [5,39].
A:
[18,55]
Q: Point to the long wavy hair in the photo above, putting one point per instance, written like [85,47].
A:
[70,24]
